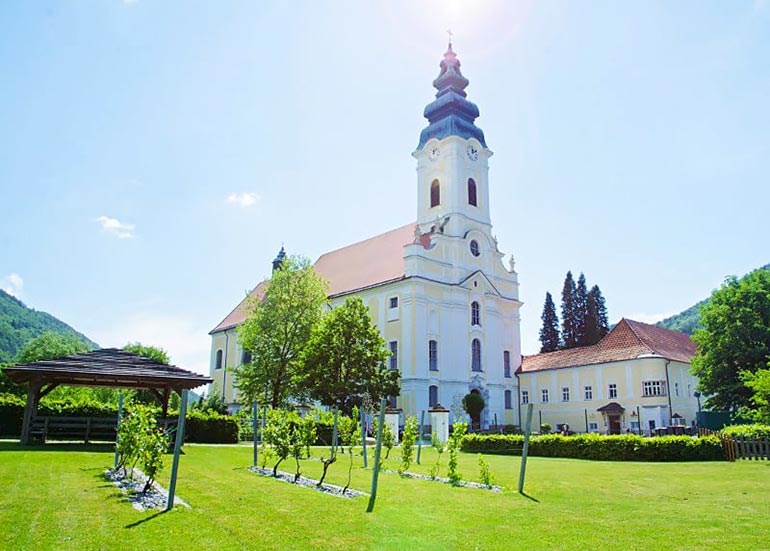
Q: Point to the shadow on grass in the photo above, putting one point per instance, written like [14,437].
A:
[57,447]
[529,497]
[146,519]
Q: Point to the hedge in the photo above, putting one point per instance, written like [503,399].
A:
[748,431]
[601,447]
[200,427]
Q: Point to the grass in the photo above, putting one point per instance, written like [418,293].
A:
[54,496]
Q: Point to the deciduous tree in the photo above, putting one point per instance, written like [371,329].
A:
[277,330]
[734,342]
[345,359]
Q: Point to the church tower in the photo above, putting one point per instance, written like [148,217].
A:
[452,156]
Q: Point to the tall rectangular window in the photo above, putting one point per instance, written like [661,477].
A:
[432,395]
[588,392]
[508,404]
[392,308]
[394,354]
[565,394]
[544,395]
[612,390]
[506,363]
[525,396]
[433,355]
[393,302]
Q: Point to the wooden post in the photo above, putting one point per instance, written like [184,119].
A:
[377,450]
[419,436]
[525,451]
[586,414]
[363,435]
[334,430]
[117,427]
[29,411]
[254,430]
[177,449]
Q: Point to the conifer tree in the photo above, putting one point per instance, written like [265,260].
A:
[568,317]
[549,333]
[596,317]
[581,311]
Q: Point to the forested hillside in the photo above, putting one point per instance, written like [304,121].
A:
[688,321]
[18,324]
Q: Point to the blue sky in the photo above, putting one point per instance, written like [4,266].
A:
[155,155]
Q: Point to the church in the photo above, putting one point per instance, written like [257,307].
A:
[438,288]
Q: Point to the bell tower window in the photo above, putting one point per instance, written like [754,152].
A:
[435,194]
[475,313]
[472,192]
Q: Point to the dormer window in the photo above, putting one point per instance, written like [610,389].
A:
[472,192]
[435,194]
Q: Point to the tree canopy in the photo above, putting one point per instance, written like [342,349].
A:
[734,341]
[549,333]
[277,330]
[345,359]
[49,346]
[153,352]
[569,321]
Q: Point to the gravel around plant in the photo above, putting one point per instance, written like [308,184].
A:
[154,498]
[330,489]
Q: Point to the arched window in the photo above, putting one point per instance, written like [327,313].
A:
[472,192]
[508,401]
[506,363]
[246,357]
[218,364]
[432,355]
[475,313]
[432,395]
[476,355]
[435,194]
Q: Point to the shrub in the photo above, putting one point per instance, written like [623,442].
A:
[407,443]
[601,447]
[754,431]
[484,475]
[141,441]
[439,447]
[455,441]
[545,428]
[211,428]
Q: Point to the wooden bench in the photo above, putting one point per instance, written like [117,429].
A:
[74,428]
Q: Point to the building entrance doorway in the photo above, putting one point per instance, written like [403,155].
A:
[614,423]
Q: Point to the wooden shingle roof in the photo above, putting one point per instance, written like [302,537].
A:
[107,367]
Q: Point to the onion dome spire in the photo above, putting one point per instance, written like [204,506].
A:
[450,114]
[278,262]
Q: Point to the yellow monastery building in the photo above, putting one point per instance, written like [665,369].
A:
[438,289]
[636,378]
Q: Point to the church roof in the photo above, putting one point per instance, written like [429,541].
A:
[450,114]
[374,261]
[627,341]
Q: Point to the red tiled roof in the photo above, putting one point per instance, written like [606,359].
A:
[627,341]
[366,263]
[376,260]
[240,312]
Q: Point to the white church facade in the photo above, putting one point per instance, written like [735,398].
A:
[438,288]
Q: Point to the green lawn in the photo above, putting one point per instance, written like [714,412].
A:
[55,497]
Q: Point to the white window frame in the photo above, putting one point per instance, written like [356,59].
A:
[393,310]
[544,395]
[525,396]
[654,388]
[432,355]
[393,360]
[565,394]
[612,390]
[588,392]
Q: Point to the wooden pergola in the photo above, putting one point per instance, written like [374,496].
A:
[108,367]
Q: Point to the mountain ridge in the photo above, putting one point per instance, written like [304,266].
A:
[19,323]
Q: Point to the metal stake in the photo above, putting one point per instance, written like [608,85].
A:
[419,436]
[377,449]
[117,427]
[177,449]
[363,435]
[525,451]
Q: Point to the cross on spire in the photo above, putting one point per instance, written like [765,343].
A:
[449,32]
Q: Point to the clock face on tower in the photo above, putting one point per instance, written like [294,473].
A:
[434,153]
[473,153]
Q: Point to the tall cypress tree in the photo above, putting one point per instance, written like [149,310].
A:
[596,319]
[549,333]
[568,317]
[581,311]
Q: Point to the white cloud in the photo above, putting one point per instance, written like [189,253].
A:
[12,284]
[246,199]
[187,343]
[117,228]
[650,318]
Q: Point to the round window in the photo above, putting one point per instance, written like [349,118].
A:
[475,248]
